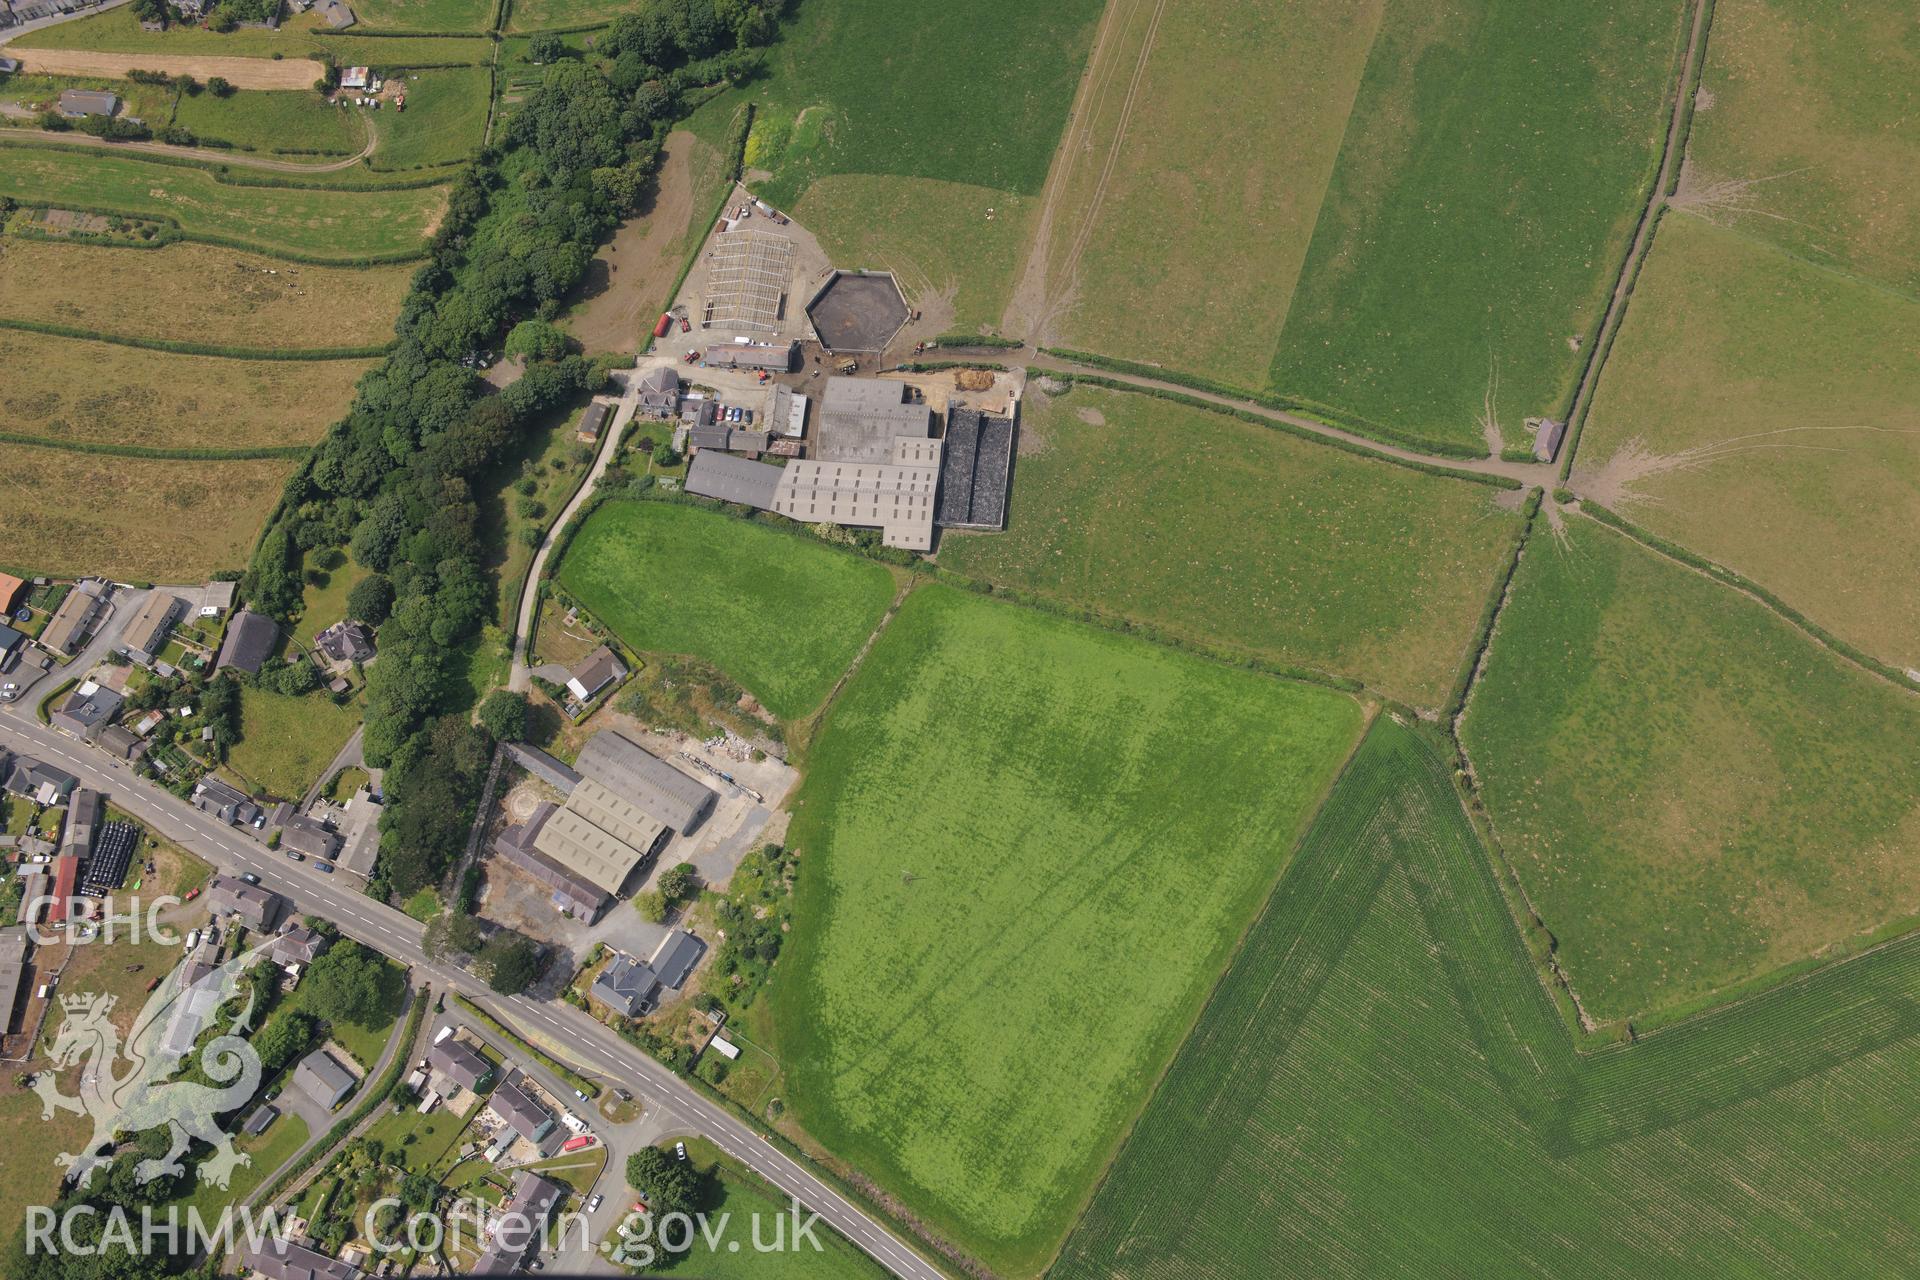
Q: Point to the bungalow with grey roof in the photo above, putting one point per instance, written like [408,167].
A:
[595,672]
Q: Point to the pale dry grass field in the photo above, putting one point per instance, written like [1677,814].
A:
[74,390]
[133,519]
[199,293]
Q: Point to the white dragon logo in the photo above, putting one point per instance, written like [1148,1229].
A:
[143,1098]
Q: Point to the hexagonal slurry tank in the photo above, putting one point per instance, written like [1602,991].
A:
[858,311]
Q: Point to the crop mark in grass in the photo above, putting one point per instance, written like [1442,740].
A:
[1612,484]
[1035,306]
[1722,201]
[1490,412]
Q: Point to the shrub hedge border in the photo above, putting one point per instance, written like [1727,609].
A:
[174,347]
[1290,404]
[1489,614]
[1740,582]
[108,449]
[1285,428]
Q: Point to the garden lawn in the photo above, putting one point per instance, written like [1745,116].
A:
[296,120]
[444,123]
[1028,847]
[266,1153]
[1381,1086]
[1765,412]
[332,225]
[202,293]
[364,1041]
[323,605]
[286,743]
[778,612]
[1245,539]
[1809,132]
[169,521]
[1693,792]
[744,1198]
[82,393]
[1474,224]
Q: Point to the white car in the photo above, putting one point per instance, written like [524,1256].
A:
[594,1203]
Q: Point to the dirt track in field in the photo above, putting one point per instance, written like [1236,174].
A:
[241,73]
[628,280]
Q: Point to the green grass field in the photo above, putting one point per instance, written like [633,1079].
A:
[215,294]
[1693,793]
[1382,1087]
[169,521]
[1809,135]
[1474,223]
[1027,847]
[286,743]
[1762,411]
[274,121]
[544,15]
[865,87]
[93,392]
[333,225]
[1202,179]
[781,614]
[118,31]
[444,123]
[1242,538]
[426,15]
[934,235]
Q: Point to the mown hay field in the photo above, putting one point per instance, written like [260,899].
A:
[1475,220]
[199,293]
[93,392]
[444,123]
[1693,792]
[331,225]
[1187,249]
[1028,847]
[1808,132]
[1245,539]
[1765,412]
[134,519]
[780,613]
[1380,1086]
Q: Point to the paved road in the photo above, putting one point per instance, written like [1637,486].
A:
[521,679]
[566,1032]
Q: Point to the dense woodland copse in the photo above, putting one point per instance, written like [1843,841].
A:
[394,482]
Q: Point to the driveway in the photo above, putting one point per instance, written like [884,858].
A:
[520,679]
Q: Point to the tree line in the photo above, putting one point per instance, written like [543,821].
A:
[399,481]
